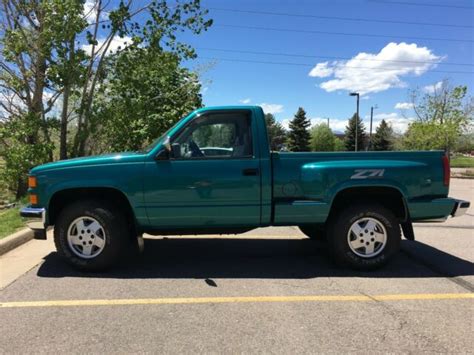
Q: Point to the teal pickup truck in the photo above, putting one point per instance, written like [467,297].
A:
[213,173]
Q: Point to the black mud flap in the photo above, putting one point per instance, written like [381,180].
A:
[39,234]
[407,228]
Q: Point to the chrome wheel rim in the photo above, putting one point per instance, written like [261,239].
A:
[367,237]
[86,237]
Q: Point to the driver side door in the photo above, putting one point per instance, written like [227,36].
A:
[212,178]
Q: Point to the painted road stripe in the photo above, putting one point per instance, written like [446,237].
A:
[254,299]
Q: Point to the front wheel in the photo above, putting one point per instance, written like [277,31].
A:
[91,235]
[364,236]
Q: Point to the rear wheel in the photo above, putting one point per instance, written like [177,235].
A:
[364,237]
[91,235]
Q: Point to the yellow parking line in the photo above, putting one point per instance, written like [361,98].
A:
[254,299]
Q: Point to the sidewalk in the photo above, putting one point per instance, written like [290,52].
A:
[20,260]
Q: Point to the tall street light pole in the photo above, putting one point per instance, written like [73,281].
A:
[357,122]
[370,131]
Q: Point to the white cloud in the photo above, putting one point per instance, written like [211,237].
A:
[285,123]
[398,123]
[90,12]
[116,44]
[338,125]
[369,72]
[245,101]
[433,88]
[271,108]
[321,70]
[14,104]
[403,105]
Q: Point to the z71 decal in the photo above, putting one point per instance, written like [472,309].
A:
[368,173]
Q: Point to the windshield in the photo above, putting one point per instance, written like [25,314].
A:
[150,147]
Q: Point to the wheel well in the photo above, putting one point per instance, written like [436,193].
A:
[65,197]
[388,197]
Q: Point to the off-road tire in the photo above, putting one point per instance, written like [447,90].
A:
[117,234]
[338,229]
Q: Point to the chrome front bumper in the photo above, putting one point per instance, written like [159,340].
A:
[35,220]
[460,208]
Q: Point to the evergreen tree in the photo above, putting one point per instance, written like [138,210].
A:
[350,134]
[276,132]
[299,136]
[383,138]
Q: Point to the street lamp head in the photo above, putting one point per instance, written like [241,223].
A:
[354,94]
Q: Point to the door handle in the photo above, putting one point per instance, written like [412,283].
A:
[250,172]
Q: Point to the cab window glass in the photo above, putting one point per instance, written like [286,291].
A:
[223,135]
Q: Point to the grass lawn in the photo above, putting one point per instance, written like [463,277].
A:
[462,162]
[10,222]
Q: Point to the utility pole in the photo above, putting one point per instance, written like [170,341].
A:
[370,131]
[357,123]
[328,121]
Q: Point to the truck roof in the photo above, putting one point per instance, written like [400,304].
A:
[227,107]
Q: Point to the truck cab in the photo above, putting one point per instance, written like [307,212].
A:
[213,172]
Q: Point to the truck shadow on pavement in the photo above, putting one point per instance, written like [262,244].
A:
[260,258]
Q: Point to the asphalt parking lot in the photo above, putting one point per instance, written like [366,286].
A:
[270,290]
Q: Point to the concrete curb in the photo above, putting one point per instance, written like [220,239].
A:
[462,177]
[15,240]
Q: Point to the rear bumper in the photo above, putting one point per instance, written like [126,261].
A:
[460,208]
[437,210]
[35,220]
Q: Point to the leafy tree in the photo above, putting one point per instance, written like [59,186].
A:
[383,137]
[159,24]
[465,143]
[299,136]
[339,145]
[442,116]
[30,32]
[55,57]
[217,135]
[276,132]
[19,156]
[145,91]
[322,138]
[350,134]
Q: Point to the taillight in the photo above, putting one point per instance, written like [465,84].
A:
[446,170]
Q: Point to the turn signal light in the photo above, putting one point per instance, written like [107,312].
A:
[33,199]
[32,181]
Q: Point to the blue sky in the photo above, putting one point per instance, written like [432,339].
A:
[283,88]
[317,51]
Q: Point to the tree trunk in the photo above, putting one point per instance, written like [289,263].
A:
[64,112]
[63,132]
[22,188]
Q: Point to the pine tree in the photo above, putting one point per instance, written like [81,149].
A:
[276,132]
[383,137]
[299,136]
[350,131]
